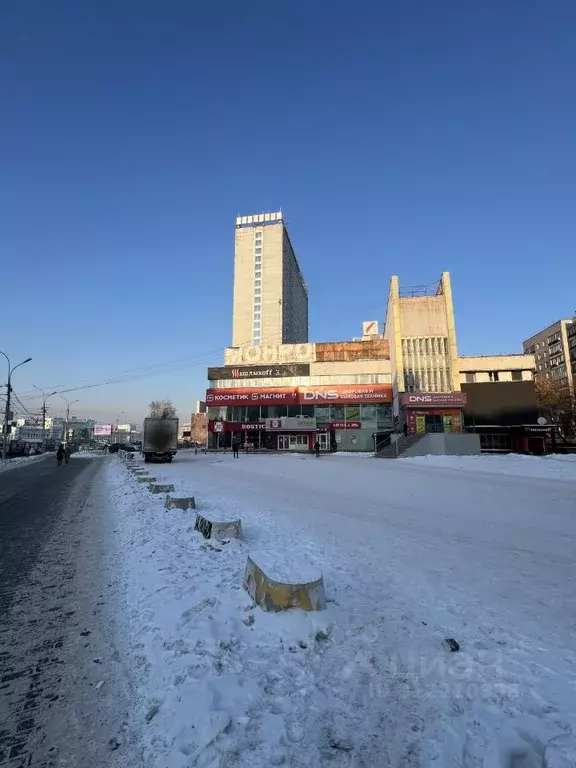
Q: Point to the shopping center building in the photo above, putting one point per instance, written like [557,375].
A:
[349,395]
[285,397]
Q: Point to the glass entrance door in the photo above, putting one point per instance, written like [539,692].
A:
[283,442]
[324,440]
[434,423]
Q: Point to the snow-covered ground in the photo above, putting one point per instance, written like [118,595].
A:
[412,551]
[19,461]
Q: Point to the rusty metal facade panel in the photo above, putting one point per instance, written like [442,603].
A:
[342,351]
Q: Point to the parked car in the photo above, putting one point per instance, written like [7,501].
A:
[115,447]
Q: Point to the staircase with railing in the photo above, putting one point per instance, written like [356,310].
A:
[393,449]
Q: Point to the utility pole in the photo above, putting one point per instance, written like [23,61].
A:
[44,398]
[117,422]
[67,427]
[8,393]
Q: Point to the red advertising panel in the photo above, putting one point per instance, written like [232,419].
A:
[345,425]
[269,396]
[343,394]
[433,399]
[235,426]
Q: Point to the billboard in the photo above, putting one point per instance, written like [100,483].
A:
[339,394]
[258,371]
[336,394]
[102,430]
[269,396]
[235,426]
[433,399]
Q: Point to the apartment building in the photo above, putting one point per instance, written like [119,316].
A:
[554,350]
[270,295]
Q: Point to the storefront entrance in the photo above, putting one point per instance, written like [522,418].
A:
[293,442]
[435,423]
[324,440]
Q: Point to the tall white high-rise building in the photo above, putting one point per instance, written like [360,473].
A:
[270,295]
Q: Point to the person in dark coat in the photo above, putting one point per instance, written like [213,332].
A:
[317,448]
[235,447]
[60,455]
[67,452]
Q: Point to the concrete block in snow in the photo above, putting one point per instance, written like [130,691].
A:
[161,488]
[277,584]
[145,479]
[218,528]
[180,502]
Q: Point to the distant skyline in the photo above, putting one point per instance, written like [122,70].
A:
[396,138]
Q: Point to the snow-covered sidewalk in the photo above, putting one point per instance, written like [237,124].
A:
[411,553]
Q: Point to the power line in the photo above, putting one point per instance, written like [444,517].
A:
[157,369]
[134,374]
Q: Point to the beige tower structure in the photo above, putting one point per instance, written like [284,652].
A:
[421,330]
[270,295]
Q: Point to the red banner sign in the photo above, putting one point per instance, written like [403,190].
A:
[269,396]
[433,399]
[342,394]
[237,426]
[336,394]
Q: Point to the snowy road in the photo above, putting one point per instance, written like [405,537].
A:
[412,551]
[57,600]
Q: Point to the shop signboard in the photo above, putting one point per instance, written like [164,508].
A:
[102,430]
[258,371]
[433,399]
[235,426]
[292,424]
[268,396]
[338,394]
[345,425]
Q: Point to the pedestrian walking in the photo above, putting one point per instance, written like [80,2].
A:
[60,455]
[235,448]
[317,448]
[67,452]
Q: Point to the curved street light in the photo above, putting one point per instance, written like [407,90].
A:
[44,399]
[8,392]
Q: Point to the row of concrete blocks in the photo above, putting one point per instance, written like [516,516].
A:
[271,594]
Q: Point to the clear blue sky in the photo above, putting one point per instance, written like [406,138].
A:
[398,138]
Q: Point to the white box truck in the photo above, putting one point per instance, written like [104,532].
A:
[160,439]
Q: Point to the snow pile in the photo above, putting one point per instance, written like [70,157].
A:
[19,461]
[411,553]
[509,464]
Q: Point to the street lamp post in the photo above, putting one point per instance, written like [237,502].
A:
[68,404]
[117,422]
[44,399]
[8,393]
